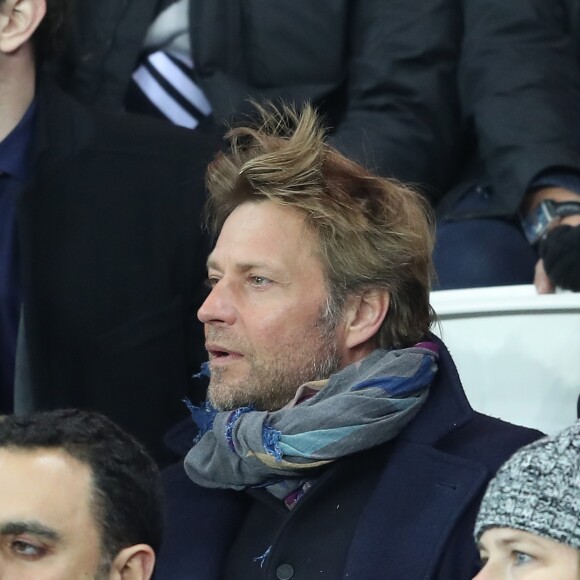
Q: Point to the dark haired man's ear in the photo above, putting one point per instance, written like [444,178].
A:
[363,316]
[19,19]
[133,563]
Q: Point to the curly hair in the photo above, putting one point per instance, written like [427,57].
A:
[373,232]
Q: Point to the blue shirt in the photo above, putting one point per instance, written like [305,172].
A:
[15,169]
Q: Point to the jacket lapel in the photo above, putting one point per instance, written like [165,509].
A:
[420,497]
[422,492]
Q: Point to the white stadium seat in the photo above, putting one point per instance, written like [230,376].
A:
[517,352]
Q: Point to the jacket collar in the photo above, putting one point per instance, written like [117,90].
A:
[447,407]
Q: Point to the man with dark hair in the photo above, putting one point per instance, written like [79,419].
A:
[79,498]
[101,262]
[337,442]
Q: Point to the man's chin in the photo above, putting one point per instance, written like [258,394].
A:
[224,398]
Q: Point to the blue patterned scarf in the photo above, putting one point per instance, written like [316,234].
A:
[359,407]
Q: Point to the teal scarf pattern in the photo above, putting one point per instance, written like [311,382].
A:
[359,407]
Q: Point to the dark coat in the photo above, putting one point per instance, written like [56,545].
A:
[112,262]
[520,90]
[383,73]
[416,525]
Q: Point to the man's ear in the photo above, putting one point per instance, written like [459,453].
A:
[133,563]
[364,314]
[19,19]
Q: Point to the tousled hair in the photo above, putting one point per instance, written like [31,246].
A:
[126,488]
[373,233]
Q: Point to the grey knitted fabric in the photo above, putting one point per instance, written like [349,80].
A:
[538,490]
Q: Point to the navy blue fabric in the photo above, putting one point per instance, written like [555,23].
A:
[488,251]
[476,251]
[14,171]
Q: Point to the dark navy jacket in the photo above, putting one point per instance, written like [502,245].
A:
[416,525]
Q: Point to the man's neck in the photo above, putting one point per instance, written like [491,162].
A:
[17,86]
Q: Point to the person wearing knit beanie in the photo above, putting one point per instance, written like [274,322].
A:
[528,526]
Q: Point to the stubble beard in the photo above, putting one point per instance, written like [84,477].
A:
[272,382]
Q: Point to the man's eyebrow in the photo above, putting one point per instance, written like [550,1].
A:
[29,527]
[212,264]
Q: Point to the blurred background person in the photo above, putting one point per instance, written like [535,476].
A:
[102,260]
[382,72]
[515,216]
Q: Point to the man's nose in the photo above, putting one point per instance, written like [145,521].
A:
[218,307]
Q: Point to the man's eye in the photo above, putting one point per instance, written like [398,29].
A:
[211,282]
[259,280]
[521,558]
[28,550]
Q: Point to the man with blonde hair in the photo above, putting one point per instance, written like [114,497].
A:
[337,440]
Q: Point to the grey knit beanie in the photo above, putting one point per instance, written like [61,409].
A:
[538,490]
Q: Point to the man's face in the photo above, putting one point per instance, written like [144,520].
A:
[265,324]
[47,530]
[517,555]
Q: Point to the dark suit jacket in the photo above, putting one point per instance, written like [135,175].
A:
[520,90]
[382,72]
[112,262]
[417,523]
